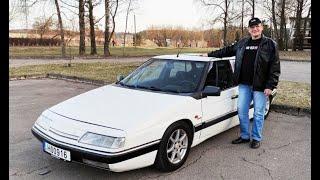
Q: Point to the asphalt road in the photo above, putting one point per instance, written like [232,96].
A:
[285,152]
[296,71]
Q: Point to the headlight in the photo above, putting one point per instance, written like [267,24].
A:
[43,122]
[102,140]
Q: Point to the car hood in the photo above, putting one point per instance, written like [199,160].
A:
[119,107]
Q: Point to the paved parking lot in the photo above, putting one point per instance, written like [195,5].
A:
[285,152]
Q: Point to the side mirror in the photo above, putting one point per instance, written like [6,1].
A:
[211,91]
[120,77]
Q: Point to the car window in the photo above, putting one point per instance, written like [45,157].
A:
[211,76]
[178,66]
[148,74]
[182,76]
[225,75]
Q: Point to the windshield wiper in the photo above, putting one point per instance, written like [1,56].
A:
[126,85]
[171,90]
[150,88]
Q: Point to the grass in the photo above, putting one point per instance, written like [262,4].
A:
[295,55]
[42,52]
[289,93]
[97,71]
[295,94]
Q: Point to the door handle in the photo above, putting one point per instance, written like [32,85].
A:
[234,96]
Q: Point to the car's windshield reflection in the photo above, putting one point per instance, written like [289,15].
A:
[166,75]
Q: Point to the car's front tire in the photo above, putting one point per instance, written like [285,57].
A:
[174,147]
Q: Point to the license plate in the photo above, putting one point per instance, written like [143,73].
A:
[57,152]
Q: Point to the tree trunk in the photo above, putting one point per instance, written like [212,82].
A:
[82,43]
[225,23]
[125,32]
[274,20]
[282,26]
[242,13]
[286,37]
[253,7]
[106,49]
[92,32]
[297,33]
[113,20]
[63,44]
[304,28]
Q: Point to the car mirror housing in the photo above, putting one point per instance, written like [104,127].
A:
[211,91]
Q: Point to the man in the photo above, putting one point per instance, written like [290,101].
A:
[257,71]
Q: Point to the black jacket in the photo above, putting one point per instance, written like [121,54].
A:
[266,67]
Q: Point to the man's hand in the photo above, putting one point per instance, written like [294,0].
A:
[267,92]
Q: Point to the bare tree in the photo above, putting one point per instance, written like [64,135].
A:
[92,31]
[125,31]
[282,25]
[274,20]
[244,13]
[106,50]
[298,35]
[14,9]
[226,16]
[109,12]
[242,16]
[26,4]
[115,5]
[252,4]
[82,43]
[63,45]
[43,25]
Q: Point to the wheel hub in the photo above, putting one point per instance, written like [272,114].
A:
[177,146]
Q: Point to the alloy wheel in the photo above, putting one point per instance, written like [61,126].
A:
[177,146]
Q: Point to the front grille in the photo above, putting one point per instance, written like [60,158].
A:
[63,134]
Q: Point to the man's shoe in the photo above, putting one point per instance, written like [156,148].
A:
[240,140]
[255,144]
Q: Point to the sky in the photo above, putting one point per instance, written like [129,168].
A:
[184,13]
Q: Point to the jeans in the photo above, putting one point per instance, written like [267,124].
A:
[246,95]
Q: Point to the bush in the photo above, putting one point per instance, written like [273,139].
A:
[33,42]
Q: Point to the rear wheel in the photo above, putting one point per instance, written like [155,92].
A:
[174,147]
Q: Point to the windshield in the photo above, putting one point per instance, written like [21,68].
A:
[180,76]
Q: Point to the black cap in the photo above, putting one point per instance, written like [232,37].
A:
[254,21]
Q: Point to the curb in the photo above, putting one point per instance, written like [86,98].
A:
[284,109]
[291,110]
[77,79]
[298,60]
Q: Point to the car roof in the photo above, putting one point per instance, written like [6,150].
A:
[192,57]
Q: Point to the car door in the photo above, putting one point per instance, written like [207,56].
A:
[217,111]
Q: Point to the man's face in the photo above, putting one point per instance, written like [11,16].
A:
[255,30]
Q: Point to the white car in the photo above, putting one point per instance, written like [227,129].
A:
[153,116]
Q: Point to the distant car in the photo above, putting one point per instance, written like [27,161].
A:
[153,116]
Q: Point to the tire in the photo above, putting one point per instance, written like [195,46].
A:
[170,161]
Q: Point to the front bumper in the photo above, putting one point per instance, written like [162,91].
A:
[82,155]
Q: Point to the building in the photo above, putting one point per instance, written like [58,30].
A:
[307,33]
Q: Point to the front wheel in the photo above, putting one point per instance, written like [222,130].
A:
[174,147]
